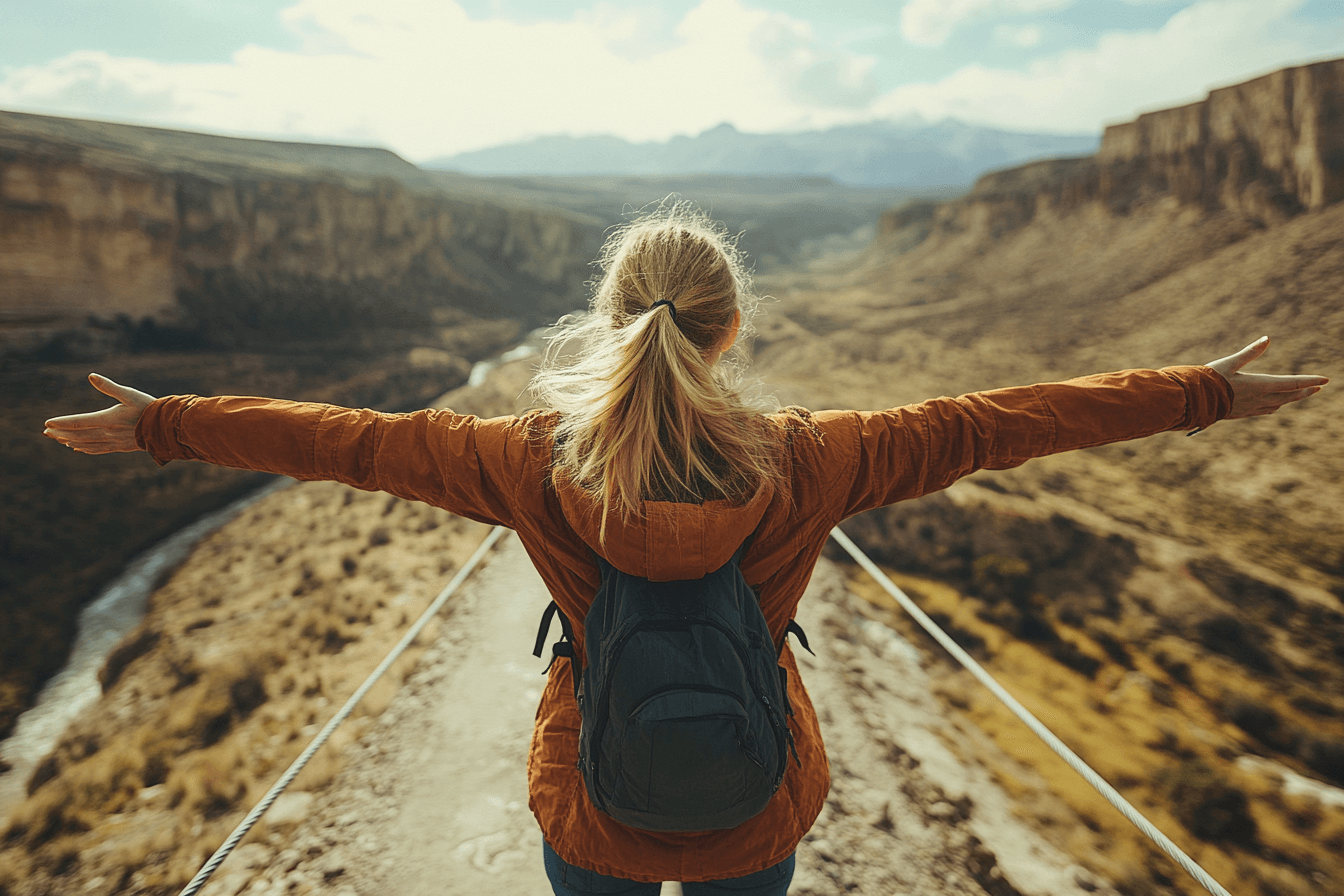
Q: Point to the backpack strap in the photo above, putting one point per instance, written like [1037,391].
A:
[565,646]
[793,628]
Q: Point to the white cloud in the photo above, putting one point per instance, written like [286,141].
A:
[1022,36]
[1210,43]
[85,82]
[426,79]
[929,23]
[810,72]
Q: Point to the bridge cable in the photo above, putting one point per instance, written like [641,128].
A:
[1110,793]
[1076,763]
[260,808]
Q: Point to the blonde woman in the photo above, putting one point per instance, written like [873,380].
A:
[649,455]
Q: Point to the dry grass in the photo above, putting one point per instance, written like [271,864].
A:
[1082,291]
[1156,740]
[257,640]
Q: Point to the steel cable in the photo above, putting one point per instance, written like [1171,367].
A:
[1110,793]
[213,863]
[1037,727]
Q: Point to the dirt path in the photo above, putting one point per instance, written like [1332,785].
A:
[433,799]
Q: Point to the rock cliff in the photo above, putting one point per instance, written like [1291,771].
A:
[1279,137]
[163,239]
[1267,149]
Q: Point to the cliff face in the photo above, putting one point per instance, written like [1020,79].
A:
[76,241]
[1265,150]
[188,240]
[188,263]
[1284,131]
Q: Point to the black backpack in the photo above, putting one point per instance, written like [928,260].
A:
[683,700]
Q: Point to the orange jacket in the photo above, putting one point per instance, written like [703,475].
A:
[837,463]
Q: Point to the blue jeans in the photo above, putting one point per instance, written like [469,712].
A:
[570,880]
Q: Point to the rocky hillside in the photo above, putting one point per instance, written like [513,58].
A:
[1175,606]
[1266,150]
[161,239]
[190,263]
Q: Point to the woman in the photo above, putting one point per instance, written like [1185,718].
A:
[650,456]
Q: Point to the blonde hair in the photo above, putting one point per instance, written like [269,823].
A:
[644,414]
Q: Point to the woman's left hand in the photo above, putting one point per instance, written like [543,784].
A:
[105,431]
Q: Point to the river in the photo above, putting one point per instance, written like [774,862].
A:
[118,609]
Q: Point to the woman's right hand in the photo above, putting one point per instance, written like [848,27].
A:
[1257,394]
[105,431]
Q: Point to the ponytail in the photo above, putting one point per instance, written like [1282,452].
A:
[647,410]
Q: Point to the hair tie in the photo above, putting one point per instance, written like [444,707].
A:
[670,307]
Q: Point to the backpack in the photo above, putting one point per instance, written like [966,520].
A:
[683,701]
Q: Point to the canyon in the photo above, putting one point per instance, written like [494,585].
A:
[194,263]
[1175,606]
[1187,592]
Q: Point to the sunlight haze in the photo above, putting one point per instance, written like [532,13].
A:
[428,78]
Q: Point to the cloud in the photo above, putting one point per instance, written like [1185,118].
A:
[812,73]
[88,83]
[1207,44]
[1022,36]
[425,78]
[929,23]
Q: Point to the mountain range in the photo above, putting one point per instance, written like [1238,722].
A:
[883,153]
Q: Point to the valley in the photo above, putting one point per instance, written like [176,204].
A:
[1175,605]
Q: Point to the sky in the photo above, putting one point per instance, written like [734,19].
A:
[428,78]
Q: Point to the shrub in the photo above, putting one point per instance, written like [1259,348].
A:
[1068,653]
[1227,635]
[1256,719]
[211,782]
[1325,756]
[1178,669]
[1002,578]
[1208,805]
[224,695]
[128,651]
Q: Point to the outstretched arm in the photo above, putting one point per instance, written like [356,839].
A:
[102,432]
[455,461]
[912,451]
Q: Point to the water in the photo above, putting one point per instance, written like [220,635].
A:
[102,624]
[529,347]
[119,608]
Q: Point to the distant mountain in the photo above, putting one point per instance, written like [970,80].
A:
[879,153]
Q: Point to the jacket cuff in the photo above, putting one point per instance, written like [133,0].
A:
[1208,395]
[158,429]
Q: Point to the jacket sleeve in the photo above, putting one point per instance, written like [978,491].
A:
[912,451]
[463,464]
